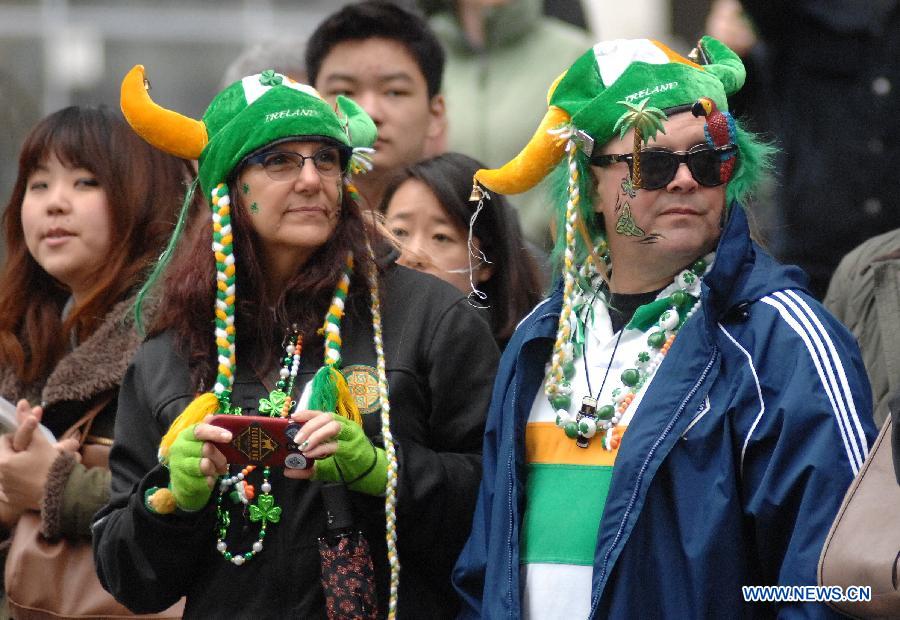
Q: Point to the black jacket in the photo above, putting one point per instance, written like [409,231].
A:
[441,360]
[834,74]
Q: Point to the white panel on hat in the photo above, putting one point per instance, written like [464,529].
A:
[613,57]
[253,90]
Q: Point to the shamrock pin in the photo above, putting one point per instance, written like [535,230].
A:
[270,78]
[265,510]
[274,404]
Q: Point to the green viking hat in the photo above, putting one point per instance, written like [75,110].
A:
[587,97]
[247,115]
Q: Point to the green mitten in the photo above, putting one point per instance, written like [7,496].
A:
[363,466]
[188,484]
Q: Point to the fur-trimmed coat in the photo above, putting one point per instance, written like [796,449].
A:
[88,375]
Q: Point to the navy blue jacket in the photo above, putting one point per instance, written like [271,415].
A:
[731,470]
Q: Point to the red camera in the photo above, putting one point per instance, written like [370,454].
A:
[261,440]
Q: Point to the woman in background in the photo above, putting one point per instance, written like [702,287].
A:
[91,208]
[427,208]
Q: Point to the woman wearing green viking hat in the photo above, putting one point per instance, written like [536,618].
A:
[680,418]
[380,374]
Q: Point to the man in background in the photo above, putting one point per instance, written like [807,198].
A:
[390,62]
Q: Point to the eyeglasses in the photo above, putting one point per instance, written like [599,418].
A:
[659,166]
[286,165]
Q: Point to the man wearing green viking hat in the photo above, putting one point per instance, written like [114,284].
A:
[679,418]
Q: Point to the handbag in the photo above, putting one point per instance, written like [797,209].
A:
[863,546]
[348,577]
[57,578]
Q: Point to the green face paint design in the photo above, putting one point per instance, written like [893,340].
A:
[245,188]
[626,225]
[254,208]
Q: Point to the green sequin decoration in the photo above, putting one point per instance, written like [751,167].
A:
[265,510]
[270,78]
[274,404]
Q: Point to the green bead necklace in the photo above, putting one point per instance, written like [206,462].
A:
[663,321]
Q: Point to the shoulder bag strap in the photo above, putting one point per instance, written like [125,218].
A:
[82,427]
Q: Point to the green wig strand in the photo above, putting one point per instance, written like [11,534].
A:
[756,161]
[164,259]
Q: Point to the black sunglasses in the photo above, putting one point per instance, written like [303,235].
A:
[659,166]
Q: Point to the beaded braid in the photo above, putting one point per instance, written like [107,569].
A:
[390,498]
[563,350]
[223,248]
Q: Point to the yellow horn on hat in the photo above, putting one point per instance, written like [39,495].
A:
[166,130]
[535,161]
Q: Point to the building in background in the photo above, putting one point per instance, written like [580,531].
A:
[55,53]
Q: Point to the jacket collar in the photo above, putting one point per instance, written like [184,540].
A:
[93,367]
[743,272]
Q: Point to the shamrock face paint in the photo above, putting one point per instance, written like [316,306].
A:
[295,217]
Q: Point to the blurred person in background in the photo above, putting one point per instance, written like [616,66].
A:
[834,71]
[864,294]
[501,54]
[427,207]
[285,57]
[90,212]
[389,61]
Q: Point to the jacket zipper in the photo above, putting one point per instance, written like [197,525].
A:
[596,597]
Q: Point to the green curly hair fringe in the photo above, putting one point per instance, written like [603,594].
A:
[164,259]
[755,162]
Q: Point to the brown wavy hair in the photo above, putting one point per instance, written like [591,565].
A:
[261,316]
[143,189]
